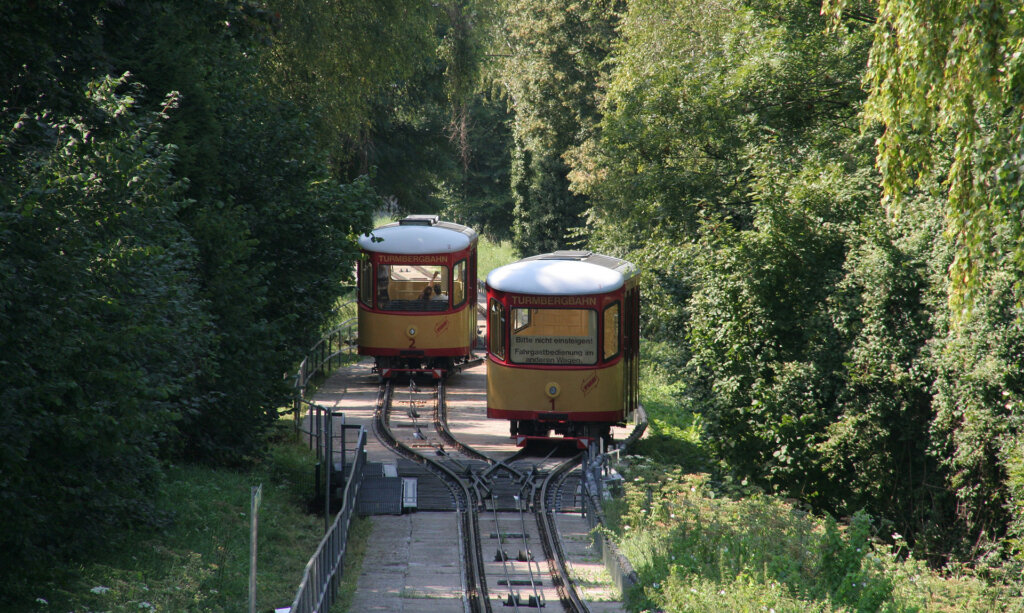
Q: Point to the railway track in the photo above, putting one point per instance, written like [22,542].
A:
[511,554]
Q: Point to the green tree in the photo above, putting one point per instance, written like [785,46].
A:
[478,127]
[768,363]
[734,162]
[273,228]
[976,430]
[875,451]
[337,59]
[945,83]
[669,134]
[730,162]
[553,51]
[953,73]
[701,95]
[480,197]
[167,259]
[406,147]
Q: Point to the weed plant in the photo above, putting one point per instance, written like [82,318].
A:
[700,545]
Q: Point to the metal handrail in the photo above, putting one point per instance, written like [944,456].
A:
[324,570]
[323,357]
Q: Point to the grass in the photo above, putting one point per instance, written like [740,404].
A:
[491,255]
[673,435]
[696,547]
[199,561]
[695,550]
[358,537]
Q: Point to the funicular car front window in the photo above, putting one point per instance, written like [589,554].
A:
[554,336]
[412,287]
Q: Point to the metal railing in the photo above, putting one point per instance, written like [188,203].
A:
[614,561]
[324,571]
[594,489]
[324,357]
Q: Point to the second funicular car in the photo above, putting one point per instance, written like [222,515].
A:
[417,296]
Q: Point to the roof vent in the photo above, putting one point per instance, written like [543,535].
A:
[568,255]
[419,220]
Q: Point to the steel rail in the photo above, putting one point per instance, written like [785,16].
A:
[503,555]
[543,512]
[526,544]
[477,600]
[564,585]
[441,426]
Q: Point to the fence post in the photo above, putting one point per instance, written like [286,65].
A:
[328,467]
[256,495]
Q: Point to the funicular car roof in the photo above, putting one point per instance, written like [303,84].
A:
[416,239]
[569,275]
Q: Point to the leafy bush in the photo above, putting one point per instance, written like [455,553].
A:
[693,550]
[976,432]
[102,331]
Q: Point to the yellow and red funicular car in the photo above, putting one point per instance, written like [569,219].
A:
[417,296]
[563,334]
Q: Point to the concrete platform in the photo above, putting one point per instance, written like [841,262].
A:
[352,390]
[413,565]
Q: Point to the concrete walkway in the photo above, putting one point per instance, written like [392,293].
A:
[412,565]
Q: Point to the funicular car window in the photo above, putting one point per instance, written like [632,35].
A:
[554,336]
[366,280]
[412,287]
[611,331]
[459,284]
[496,329]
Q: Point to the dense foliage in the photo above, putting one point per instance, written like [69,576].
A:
[947,82]
[176,225]
[824,198]
[97,301]
[735,161]
[552,52]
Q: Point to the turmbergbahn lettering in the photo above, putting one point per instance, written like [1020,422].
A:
[388,258]
[539,301]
